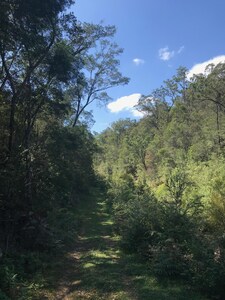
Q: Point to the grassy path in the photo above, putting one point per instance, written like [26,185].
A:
[96,269]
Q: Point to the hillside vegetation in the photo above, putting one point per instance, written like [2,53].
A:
[166,176]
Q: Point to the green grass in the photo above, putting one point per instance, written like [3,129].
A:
[96,268]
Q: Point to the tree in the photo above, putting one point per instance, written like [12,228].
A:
[99,73]
[28,32]
[135,145]
[209,88]
[45,53]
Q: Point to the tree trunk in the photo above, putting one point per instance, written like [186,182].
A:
[27,144]
[11,124]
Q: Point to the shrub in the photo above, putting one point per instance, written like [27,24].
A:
[139,221]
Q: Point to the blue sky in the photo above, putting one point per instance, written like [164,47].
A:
[158,36]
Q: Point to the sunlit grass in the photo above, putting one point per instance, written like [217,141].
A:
[89,265]
[104,272]
[107,223]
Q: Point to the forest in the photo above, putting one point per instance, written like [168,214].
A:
[134,212]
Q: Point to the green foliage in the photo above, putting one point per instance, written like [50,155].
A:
[21,275]
[64,225]
[3,296]
[169,235]
[138,220]
[167,181]
[165,173]
[52,67]
[208,269]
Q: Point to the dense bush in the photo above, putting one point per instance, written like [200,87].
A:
[171,236]
[21,275]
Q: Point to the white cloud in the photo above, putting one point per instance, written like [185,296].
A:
[137,113]
[165,54]
[200,68]
[181,49]
[138,61]
[126,103]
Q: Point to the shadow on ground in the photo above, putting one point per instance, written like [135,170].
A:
[97,269]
